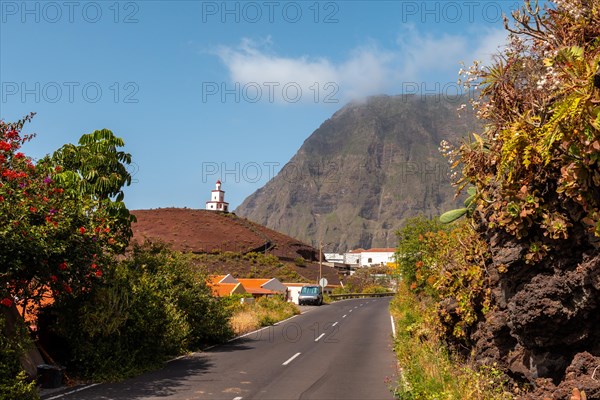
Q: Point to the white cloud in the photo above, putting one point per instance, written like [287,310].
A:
[426,53]
[249,64]
[491,41]
[367,70]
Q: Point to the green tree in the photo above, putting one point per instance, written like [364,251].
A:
[412,248]
[56,233]
[154,305]
[98,163]
[96,169]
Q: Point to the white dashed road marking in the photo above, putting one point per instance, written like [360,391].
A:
[291,359]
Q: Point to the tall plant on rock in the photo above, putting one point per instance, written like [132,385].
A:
[536,165]
[535,169]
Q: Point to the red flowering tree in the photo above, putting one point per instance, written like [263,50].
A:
[56,230]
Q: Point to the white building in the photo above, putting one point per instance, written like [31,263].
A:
[217,200]
[352,258]
[377,256]
[294,291]
[369,258]
[334,257]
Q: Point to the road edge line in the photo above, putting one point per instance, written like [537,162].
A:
[71,392]
[180,357]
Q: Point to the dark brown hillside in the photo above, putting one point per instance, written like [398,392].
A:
[210,234]
[201,231]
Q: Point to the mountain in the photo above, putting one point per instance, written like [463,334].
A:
[364,171]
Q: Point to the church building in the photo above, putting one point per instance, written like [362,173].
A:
[217,200]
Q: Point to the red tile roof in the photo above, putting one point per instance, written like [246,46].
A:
[253,283]
[255,290]
[380,250]
[223,289]
[214,279]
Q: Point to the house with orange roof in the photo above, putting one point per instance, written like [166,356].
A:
[225,285]
[30,313]
[227,289]
[263,287]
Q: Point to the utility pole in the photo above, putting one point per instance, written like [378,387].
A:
[320,260]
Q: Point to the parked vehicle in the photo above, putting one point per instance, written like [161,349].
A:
[311,294]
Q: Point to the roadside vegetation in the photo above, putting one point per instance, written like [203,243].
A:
[264,311]
[153,306]
[105,313]
[13,381]
[533,213]
[433,265]
[367,280]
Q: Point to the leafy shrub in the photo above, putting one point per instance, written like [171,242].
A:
[411,249]
[365,278]
[373,289]
[233,302]
[13,382]
[444,264]
[300,262]
[153,306]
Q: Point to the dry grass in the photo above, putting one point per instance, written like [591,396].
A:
[266,311]
[244,321]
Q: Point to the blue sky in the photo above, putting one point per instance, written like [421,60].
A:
[201,90]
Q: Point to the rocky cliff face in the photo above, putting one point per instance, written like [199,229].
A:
[363,172]
[545,326]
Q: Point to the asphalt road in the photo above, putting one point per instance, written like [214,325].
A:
[337,351]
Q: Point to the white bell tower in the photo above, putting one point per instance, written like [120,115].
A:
[217,200]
